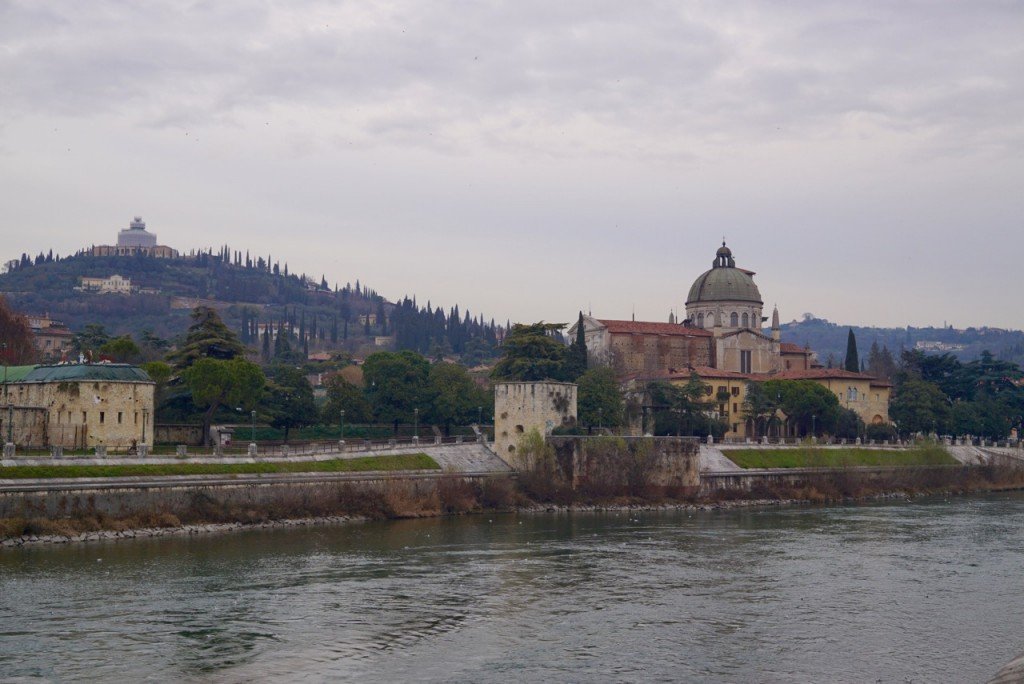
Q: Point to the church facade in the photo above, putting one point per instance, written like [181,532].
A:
[724,342]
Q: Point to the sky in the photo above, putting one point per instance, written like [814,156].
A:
[528,159]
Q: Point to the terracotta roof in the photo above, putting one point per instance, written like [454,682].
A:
[790,348]
[821,374]
[651,328]
[708,372]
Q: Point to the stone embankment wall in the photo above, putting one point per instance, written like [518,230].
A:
[670,462]
[185,496]
[867,476]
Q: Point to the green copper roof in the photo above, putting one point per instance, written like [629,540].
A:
[724,282]
[15,373]
[81,372]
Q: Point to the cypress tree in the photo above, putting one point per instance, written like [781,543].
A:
[266,343]
[852,358]
[577,360]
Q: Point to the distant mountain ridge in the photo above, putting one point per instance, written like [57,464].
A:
[826,338]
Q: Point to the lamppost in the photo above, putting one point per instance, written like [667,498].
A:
[342,424]
[145,419]
[416,424]
[814,423]
[253,415]
[600,418]
[479,415]
[10,406]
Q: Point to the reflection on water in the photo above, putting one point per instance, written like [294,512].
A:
[919,592]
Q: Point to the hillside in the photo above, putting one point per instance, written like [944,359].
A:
[826,338]
[250,294]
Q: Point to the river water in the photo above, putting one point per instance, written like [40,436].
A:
[925,591]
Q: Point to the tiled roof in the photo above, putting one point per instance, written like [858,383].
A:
[651,328]
[821,374]
[790,348]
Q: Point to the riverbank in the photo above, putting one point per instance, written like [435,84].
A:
[453,496]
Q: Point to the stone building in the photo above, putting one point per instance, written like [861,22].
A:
[724,342]
[520,407]
[53,339]
[135,239]
[80,406]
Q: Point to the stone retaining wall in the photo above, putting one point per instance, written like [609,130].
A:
[180,496]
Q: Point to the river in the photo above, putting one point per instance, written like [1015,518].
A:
[923,591]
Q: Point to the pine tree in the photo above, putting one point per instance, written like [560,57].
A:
[852,358]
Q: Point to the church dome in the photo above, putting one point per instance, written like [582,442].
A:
[724,282]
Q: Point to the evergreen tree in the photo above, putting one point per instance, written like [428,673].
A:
[207,337]
[266,344]
[852,358]
[576,363]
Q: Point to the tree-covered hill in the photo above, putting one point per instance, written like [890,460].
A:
[250,293]
[827,338]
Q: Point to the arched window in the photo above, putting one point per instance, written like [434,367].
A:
[700,320]
[746,320]
[734,320]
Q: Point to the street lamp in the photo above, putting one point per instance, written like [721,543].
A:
[145,419]
[10,406]
[342,424]
[415,423]
[814,422]
[600,418]
[253,415]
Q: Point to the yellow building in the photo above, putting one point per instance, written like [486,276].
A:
[726,392]
[859,392]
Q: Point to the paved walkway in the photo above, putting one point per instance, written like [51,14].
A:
[467,458]
[968,455]
[713,460]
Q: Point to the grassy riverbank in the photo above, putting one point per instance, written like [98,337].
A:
[843,457]
[391,462]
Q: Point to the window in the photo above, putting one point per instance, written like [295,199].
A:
[102,416]
[734,320]
[136,417]
[735,391]
[735,408]
[83,416]
[700,320]
[119,417]
[746,320]
[722,389]
[745,362]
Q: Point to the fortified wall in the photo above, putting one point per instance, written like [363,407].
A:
[616,465]
[520,407]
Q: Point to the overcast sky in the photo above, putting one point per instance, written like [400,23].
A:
[529,159]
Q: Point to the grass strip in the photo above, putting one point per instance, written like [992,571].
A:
[810,457]
[342,465]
